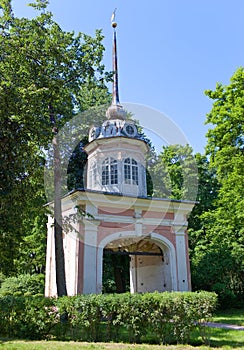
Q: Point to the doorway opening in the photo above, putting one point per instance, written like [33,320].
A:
[116,276]
[135,265]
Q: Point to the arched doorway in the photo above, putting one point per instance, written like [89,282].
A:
[116,272]
[138,264]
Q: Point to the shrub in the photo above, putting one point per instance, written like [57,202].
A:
[23,284]
[156,317]
[226,297]
[2,278]
[27,317]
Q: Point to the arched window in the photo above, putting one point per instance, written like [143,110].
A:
[109,172]
[130,171]
[93,174]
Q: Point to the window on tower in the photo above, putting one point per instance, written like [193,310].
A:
[109,171]
[93,174]
[130,171]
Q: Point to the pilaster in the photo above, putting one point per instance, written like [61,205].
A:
[90,256]
[181,254]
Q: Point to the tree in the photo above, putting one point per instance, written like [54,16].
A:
[224,229]
[43,73]
[206,195]
[174,173]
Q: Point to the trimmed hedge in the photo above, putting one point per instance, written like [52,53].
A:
[150,317]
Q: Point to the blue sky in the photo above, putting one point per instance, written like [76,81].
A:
[170,51]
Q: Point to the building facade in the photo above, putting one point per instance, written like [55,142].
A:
[119,217]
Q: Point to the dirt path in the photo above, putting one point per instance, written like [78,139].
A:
[224,325]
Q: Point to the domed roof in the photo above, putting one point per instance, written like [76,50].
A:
[116,111]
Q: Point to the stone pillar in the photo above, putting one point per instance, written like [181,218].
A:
[182,258]
[50,277]
[90,252]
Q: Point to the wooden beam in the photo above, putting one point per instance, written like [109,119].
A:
[122,252]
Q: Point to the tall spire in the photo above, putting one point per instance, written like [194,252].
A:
[115,69]
[115,111]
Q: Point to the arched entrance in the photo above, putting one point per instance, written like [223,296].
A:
[144,264]
[116,271]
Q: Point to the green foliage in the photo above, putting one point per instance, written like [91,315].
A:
[2,278]
[45,76]
[116,277]
[27,317]
[174,173]
[214,268]
[217,257]
[33,247]
[167,317]
[23,285]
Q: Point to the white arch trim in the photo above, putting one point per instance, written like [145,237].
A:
[172,257]
[154,236]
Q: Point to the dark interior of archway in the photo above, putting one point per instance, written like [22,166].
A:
[116,277]
[116,262]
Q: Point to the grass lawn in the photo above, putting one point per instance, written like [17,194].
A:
[219,339]
[232,316]
[53,345]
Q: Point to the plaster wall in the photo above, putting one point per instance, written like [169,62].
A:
[143,219]
[147,274]
[118,148]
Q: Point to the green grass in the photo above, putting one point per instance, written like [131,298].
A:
[227,338]
[220,338]
[53,345]
[231,316]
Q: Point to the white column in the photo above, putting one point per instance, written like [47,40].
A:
[90,257]
[50,278]
[99,270]
[133,273]
[183,284]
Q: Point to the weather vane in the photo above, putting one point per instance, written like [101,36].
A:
[114,24]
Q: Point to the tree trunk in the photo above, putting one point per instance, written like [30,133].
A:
[58,230]
[118,274]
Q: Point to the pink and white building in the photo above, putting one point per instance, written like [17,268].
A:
[121,218]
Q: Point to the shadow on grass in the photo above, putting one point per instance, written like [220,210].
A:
[231,316]
[225,337]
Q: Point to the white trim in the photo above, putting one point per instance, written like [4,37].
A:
[181,262]
[173,269]
[90,261]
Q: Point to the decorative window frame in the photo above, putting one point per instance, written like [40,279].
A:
[109,171]
[93,174]
[131,171]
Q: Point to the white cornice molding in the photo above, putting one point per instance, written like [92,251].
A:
[126,202]
[107,141]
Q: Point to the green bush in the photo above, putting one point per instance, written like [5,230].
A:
[226,297]
[27,317]
[150,317]
[25,284]
[2,278]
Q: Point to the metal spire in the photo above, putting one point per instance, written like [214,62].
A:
[115,111]
[115,100]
